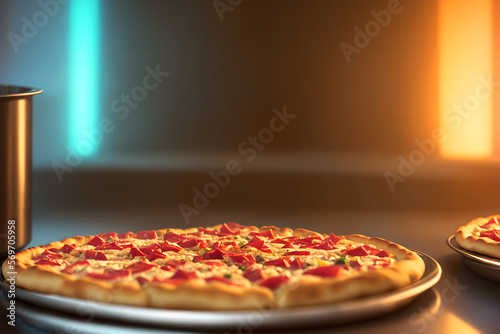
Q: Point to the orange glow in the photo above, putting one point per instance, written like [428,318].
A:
[465,69]
[455,325]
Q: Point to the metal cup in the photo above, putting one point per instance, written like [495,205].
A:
[15,166]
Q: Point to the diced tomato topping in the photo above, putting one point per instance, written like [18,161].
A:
[334,239]
[166,247]
[214,254]
[297,264]
[300,252]
[241,258]
[139,267]
[328,271]
[221,279]
[71,269]
[290,245]
[255,275]
[308,241]
[188,243]
[173,237]
[225,246]
[136,252]
[268,234]
[326,245]
[220,245]
[192,242]
[492,234]
[183,274]
[96,241]
[492,223]
[142,280]
[274,282]
[126,235]
[50,262]
[148,249]
[124,245]
[110,274]
[52,254]
[90,254]
[281,262]
[156,254]
[106,236]
[112,245]
[259,243]
[256,242]
[226,229]
[382,253]
[362,251]
[198,258]
[47,255]
[67,248]
[151,234]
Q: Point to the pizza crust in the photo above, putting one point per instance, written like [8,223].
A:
[315,290]
[200,295]
[466,239]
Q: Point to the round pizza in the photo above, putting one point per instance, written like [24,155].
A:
[225,267]
[482,235]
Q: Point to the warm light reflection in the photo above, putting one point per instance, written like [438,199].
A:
[455,325]
[465,69]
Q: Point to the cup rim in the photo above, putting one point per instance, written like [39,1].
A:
[17,91]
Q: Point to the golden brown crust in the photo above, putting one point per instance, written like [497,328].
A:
[315,290]
[198,294]
[300,232]
[466,239]
[282,232]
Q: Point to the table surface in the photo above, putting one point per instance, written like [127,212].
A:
[461,302]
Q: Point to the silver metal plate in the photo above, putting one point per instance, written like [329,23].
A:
[483,265]
[299,317]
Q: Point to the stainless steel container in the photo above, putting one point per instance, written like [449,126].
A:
[16,105]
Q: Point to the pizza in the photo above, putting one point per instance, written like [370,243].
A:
[224,267]
[481,235]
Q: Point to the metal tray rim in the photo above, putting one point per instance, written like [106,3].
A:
[452,243]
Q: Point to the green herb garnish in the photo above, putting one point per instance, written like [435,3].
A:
[342,260]
[228,276]
[243,268]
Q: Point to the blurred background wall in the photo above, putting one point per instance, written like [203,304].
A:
[229,65]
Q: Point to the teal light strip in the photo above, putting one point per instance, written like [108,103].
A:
[83,75]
